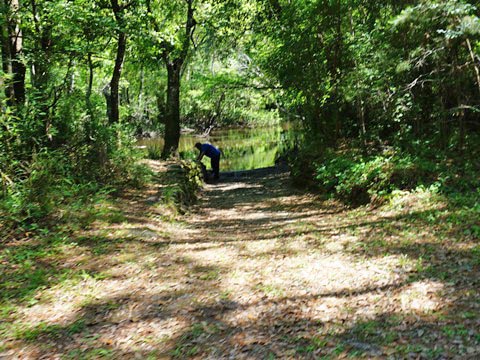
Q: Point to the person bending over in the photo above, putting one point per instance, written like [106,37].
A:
[214,154]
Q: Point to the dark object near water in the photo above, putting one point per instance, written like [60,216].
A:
[207,175]
[280,168]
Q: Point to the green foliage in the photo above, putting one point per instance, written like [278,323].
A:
[154,151]
[396,75]
[357,179]
[39,190]
[222,92]
[52,331]
[57,145]
[184,180]
[370,76]
[376,71]
[191,182]
[55,177]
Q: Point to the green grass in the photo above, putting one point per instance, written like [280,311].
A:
[211,275]
[186,345]
[154,151]
[51,331]
[91,354]
[458,331]
[375,331]
[270,290]
[33,264]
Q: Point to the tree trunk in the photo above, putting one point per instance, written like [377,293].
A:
[361,121]
[449,98]
[41,64]
[174,71]
[359,102]
[12,48]
[88,100]
[88,93]
[142,85]
[113,97]
[172,119]
[41,68]
[475,67]
[115,82]
[6,54]
[336,68]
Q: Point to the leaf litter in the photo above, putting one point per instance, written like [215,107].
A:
[257,269]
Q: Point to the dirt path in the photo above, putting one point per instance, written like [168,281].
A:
[258,270]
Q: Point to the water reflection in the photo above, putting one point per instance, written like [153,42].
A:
[243,149]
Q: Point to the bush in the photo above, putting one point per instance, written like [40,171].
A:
[185,180]
[356,178]
[154,151]
[34,188]
[39,186]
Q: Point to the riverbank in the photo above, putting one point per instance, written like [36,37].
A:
[243,148]
[257,269]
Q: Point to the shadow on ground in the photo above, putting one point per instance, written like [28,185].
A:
[261,270]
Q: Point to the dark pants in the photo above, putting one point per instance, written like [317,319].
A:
[215,162]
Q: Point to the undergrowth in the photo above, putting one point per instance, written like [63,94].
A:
[44,189]
[357,176]
[184,180]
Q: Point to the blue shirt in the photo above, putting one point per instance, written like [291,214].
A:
[210,151]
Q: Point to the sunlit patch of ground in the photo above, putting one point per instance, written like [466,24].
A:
[255,270]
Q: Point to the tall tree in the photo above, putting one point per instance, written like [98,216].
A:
[113,93]
[174,61]
[173,47]
[11,38]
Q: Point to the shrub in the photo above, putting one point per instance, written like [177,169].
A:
[185,180]
[34,187]
[357,178]
[154,151]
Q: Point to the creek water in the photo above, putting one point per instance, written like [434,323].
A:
[242,148]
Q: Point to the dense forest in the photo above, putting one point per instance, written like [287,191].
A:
[385,97]
[377,86]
